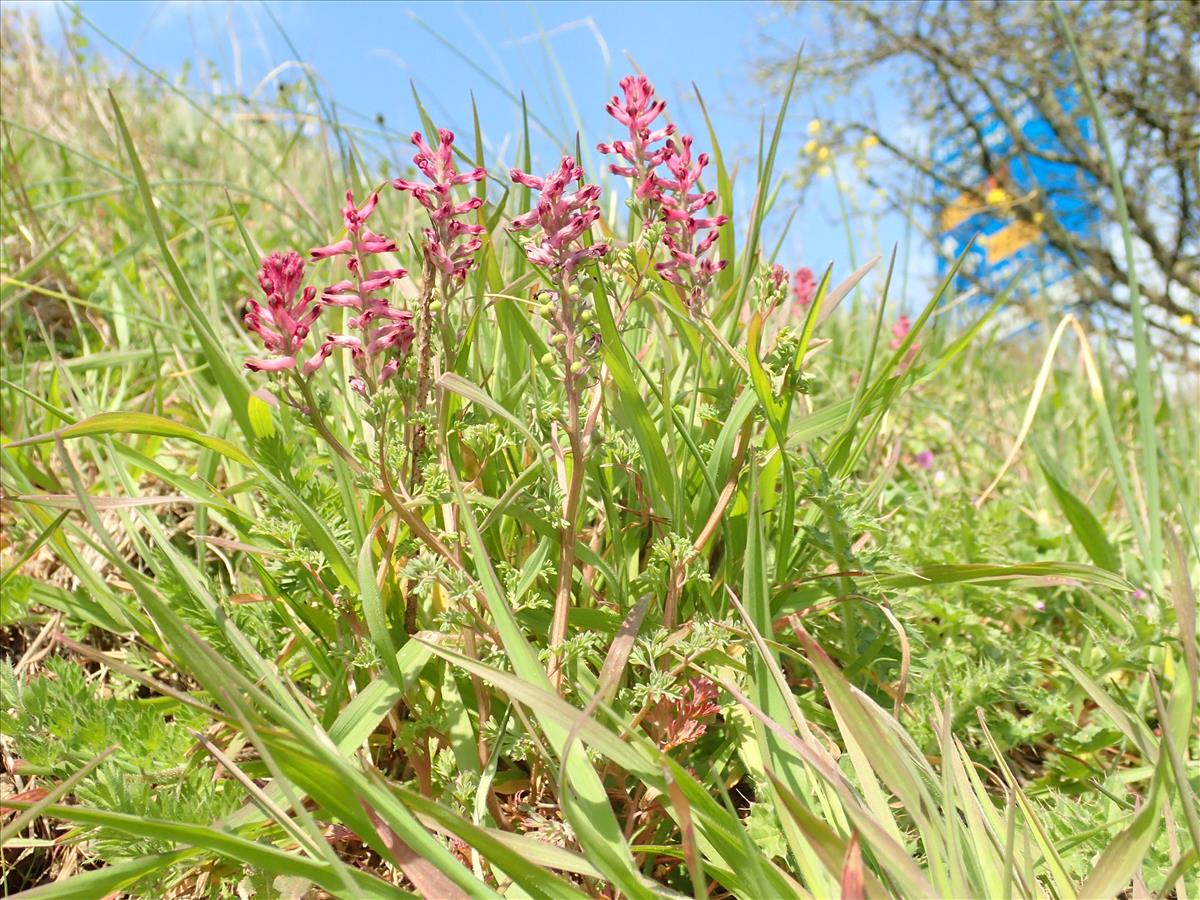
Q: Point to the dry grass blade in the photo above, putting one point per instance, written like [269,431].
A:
[853,882]
[425,876]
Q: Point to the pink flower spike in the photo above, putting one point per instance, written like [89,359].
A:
[804,286]
[687,237]
[900,331]
[682,721]
[563,218]
[283,323]
[637,110]
[442,241]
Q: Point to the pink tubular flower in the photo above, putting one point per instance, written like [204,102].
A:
[563,217]
[383,329]
[900,331]
[283,324]
[804,286]
[688,239]
[450,243]
[638,111]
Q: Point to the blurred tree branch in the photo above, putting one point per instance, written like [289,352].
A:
[949,62]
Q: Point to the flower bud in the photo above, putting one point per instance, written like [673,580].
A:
[547,359]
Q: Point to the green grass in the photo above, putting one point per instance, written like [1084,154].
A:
[237,660]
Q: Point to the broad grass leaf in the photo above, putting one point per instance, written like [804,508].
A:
[118,423]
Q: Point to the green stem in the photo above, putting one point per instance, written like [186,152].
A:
[318,422]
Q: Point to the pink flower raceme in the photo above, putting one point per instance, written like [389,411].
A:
[450,243]
[804,286]
[383,329]
[900,331]
[688,239]
[563,217]
[284,322]
[638,111]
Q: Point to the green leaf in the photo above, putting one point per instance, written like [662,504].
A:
[232,846]
[632,409]
[105,881]
[260,417]
[118,423]
[376,616]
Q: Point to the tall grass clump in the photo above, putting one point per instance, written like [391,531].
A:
[507,540]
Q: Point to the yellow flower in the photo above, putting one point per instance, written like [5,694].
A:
[824,171]
[861,163]
[823,153]
[814,127]
[810,148]
[870,141]
[1186,320]
[1039,218]
[996,196]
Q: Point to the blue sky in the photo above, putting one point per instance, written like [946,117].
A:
[366,54]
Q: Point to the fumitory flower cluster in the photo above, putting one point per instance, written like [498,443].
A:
[689,235]
[688,238]
[284,322]
[383,329]
[638,111]
[804,288]
[450,243]
[563,216]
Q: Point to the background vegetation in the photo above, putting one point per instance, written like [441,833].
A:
[950,64]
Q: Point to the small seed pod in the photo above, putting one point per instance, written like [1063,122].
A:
[577,366]
[558,339]
[548,359]
[435,306]
[587,315]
